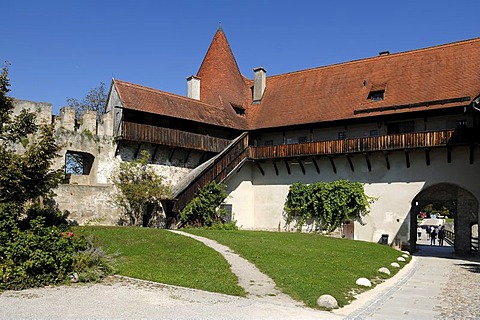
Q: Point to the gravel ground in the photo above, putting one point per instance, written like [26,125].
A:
[460,298]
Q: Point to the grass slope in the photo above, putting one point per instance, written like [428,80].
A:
[305,266]
[161,256]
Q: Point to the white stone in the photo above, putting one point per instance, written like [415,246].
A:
[401,259]
[363,282]
[406,256]
[327,301]
[394,264]
[384,270]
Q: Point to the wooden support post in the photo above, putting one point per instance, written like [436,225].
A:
[288,167]
[260,167]
[387,160]
[407,157]
[427,156]
[301,165]
[349,158]
[367,159]
[135,155]
[171,155]
[154,154]
[472,152]
[275,166]
[449,154]
[316,165]
[333,164]
[188,156]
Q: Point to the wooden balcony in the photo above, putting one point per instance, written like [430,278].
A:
[393,142]
[171,137]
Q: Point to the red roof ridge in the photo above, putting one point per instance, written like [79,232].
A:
[177,96]
[435,47]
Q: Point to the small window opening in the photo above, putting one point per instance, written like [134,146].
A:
[461,124]
[401,127]
[268,143]
[78,163]
[303,139]
[377,95]
[239,110]
[226,212]
[342,135]
[373,133]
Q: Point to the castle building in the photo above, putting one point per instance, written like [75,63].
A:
[403,124]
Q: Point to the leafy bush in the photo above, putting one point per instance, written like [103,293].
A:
[204,209]
[231,225]
[327,204]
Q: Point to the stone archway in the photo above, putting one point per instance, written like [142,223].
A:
[460,201]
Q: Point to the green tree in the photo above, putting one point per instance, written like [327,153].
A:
[94,100]
[326,204]
[36,247]
[139,186]
[204,209]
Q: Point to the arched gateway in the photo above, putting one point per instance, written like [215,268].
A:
[456,199]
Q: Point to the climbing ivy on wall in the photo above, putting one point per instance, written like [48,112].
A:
[326,204]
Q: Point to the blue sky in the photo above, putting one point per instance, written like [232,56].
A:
[60,49]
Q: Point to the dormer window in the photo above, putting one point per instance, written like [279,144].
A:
[377,95]
[239,110]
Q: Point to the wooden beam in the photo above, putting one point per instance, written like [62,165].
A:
[449,154]
[427,156]
[171,154]
[275,166]
[333,164]
[135,155]
[301,165]
[367,159]
[154,154]
[288,167]
[387,160]
[407,157]
[472,152]
[188,156]
[349,158]
[260,167]
[316,165]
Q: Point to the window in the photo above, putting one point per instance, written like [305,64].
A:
[292,141]
[227,208]
[268,143]
[239,110]
[78,163]
[302,139]
[342,135]
[401,127]
[377,95]
[373,133]
[461,124]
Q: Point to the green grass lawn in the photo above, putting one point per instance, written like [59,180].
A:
[305,266]
[161,256]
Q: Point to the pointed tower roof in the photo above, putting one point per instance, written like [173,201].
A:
[221,82]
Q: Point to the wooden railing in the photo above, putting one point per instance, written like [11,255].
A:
[449,237]
[171,137]
[474,244]
[361,145]
[217,171]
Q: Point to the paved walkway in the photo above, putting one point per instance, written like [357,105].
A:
[435,285]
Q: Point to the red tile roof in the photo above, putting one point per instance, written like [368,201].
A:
[150,100]
[337,92]
[426,79]
[221,82]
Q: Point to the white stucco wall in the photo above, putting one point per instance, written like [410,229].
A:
[394,188]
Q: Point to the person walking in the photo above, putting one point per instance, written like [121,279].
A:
[441,236]
[433,236]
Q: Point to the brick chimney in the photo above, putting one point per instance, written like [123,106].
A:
[259,83]
[193,87]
